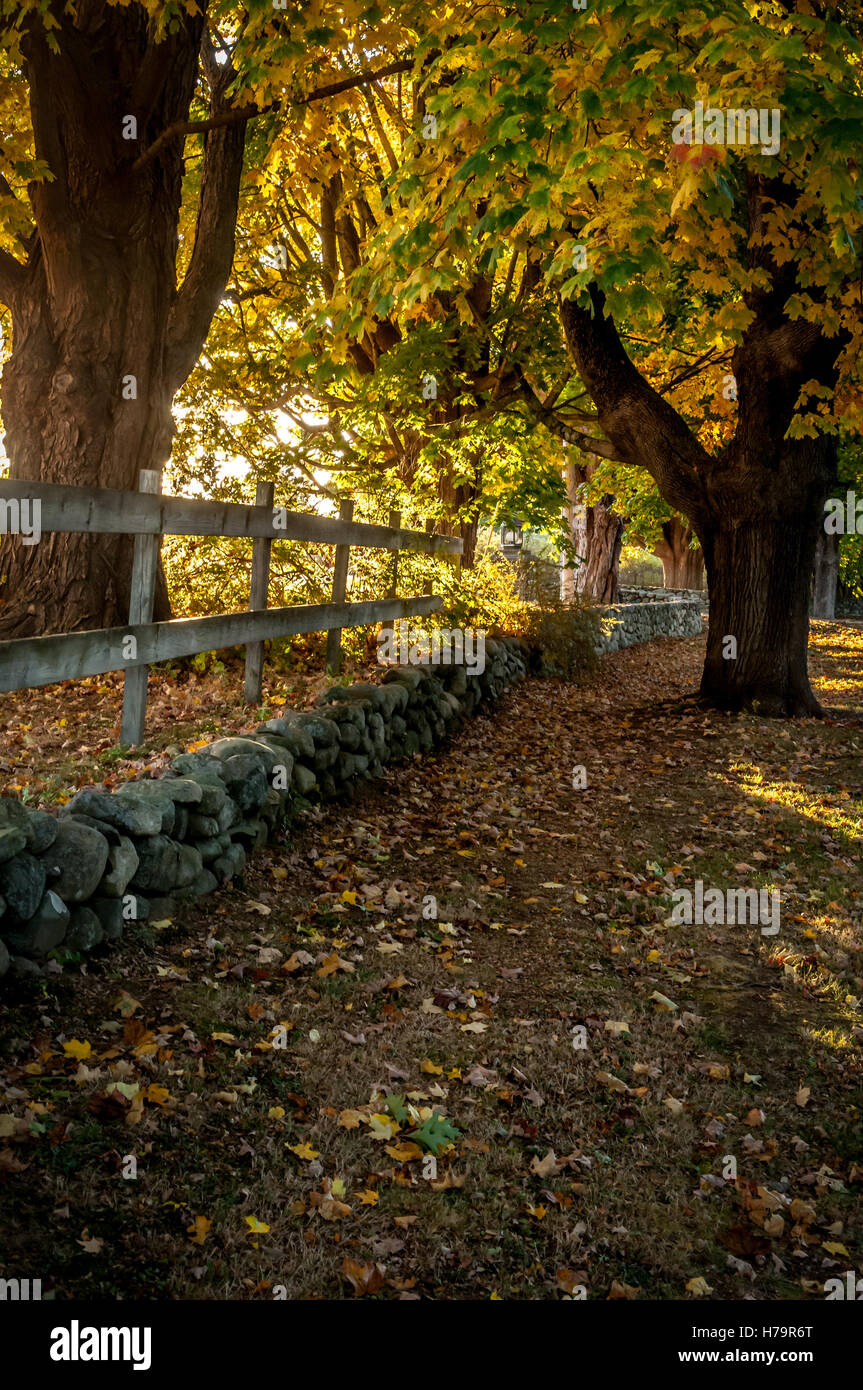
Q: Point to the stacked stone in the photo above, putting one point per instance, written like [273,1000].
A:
[133,854]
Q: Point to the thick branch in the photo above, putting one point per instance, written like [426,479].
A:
[645,429]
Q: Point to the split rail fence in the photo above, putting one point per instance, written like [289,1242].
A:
[148,515]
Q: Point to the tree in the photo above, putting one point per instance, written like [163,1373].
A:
[682,563]
[573,130]
[116,255]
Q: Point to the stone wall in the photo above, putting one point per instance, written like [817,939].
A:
[624,624]
[72,881]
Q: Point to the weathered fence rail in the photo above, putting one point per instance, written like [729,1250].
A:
[148,515]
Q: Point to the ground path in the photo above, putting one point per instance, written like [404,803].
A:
[603,1166]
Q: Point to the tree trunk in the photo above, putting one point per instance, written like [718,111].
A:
[682,567]
[101,336]
[759,569]
[826,575]
[597,536]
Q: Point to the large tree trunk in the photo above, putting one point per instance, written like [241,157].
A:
[682,567]
[102,338]
[826,575]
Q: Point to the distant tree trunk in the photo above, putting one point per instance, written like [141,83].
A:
[102,337]
[826,575]
[597,535]
[682,567]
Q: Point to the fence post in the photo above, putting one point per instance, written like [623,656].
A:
[340,584]
[395,521]
[258,592]
[145,564]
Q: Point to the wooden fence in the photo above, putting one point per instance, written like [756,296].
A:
[148,515]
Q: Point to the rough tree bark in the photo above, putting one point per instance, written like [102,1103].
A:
[96,304]
[826,575]
[682,567]
[597,535]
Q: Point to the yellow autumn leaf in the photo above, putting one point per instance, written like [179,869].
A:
[698,1286]
[350,1119]
[199,1229]
[430,1068]
[303,1151]
[223,1037]
[157,1094]
[404,1153]
[835,1247]
[76,1049]
[258,1228]
[367,1197]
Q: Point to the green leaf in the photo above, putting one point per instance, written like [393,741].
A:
[435,1134]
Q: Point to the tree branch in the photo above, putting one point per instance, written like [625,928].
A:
[645,430]
[240,114]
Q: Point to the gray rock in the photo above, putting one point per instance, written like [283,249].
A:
[150,792]
[196,766]
[22,883]
[321,730]
[110,914]
[76,861]
[162,907]
[41,830]
[4,958]
[213,796]
[246,781]
[361,690]
[350,737]
[230,864]
[252,833]
[303,780]
[227,815]
[12,842]
[24,968]
[411,676]
[128,812]
[111,835]
[291,735]
[181,822]
[203,827]
[84,930]
[227,748]
[44,931]
[212,847]
[182,789]
[164,864]
[122,867]
[206,882]
[326,756]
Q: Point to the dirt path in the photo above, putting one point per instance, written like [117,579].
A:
[607,1071]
